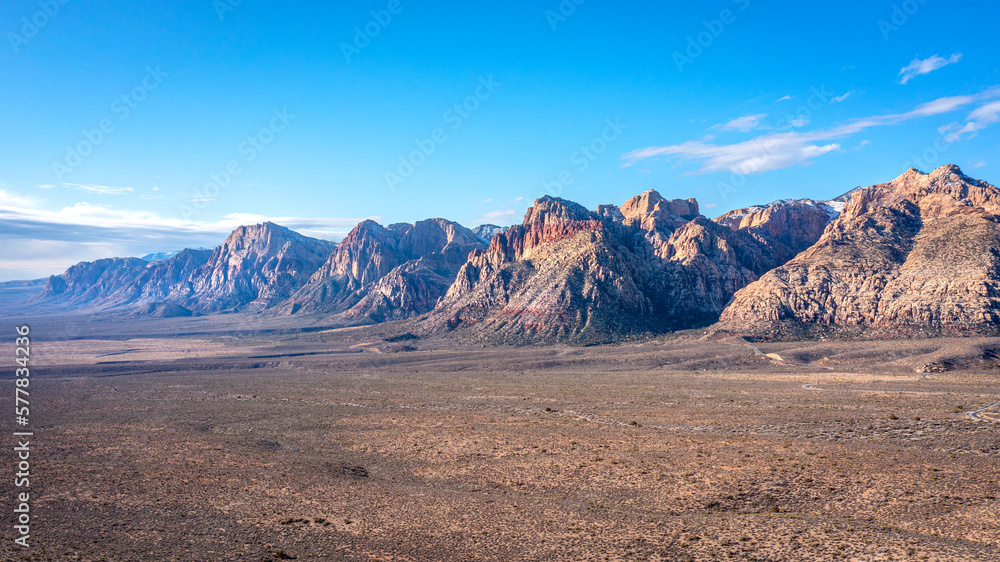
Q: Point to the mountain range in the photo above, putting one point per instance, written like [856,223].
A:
[919,255]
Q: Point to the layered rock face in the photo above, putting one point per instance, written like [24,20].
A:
[380,273]
[91,282]
[784,228]
[915,256]
[256,268]
[163,280]
[570,274]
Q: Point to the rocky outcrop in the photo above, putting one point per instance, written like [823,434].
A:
[650,211]
[410,289]
[380,273]
[919,255]
[784,228]
[163,310]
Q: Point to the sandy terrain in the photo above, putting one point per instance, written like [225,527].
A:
[341,445]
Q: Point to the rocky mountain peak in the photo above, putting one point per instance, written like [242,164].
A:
[486,232]
[937,192]
[784,228]
[552,210]
[652,212]
[916,255]
[409,265]
[259,265]
[611,212]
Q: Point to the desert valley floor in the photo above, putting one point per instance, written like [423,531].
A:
[238,442]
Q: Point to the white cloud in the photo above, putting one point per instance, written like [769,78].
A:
[774,151]
[976,121]
[8,199]
[763,154]
[798,123]
[745,123]
[919,67]
[786,98]
[987,114]
[101,189]
[501,215]
[839,99]
[89,188]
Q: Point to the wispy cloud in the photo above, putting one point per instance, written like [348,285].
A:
[775,151]
[839,99]
[501,215]
[762,154]
[920,67]
[785,98]
[745,123]
[976,121]
[90,188]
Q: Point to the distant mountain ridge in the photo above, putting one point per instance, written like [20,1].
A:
[917,255]
[254,269]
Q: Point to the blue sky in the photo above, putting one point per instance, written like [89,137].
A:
[217,113]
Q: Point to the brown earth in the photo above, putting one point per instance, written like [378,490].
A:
[254,440]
